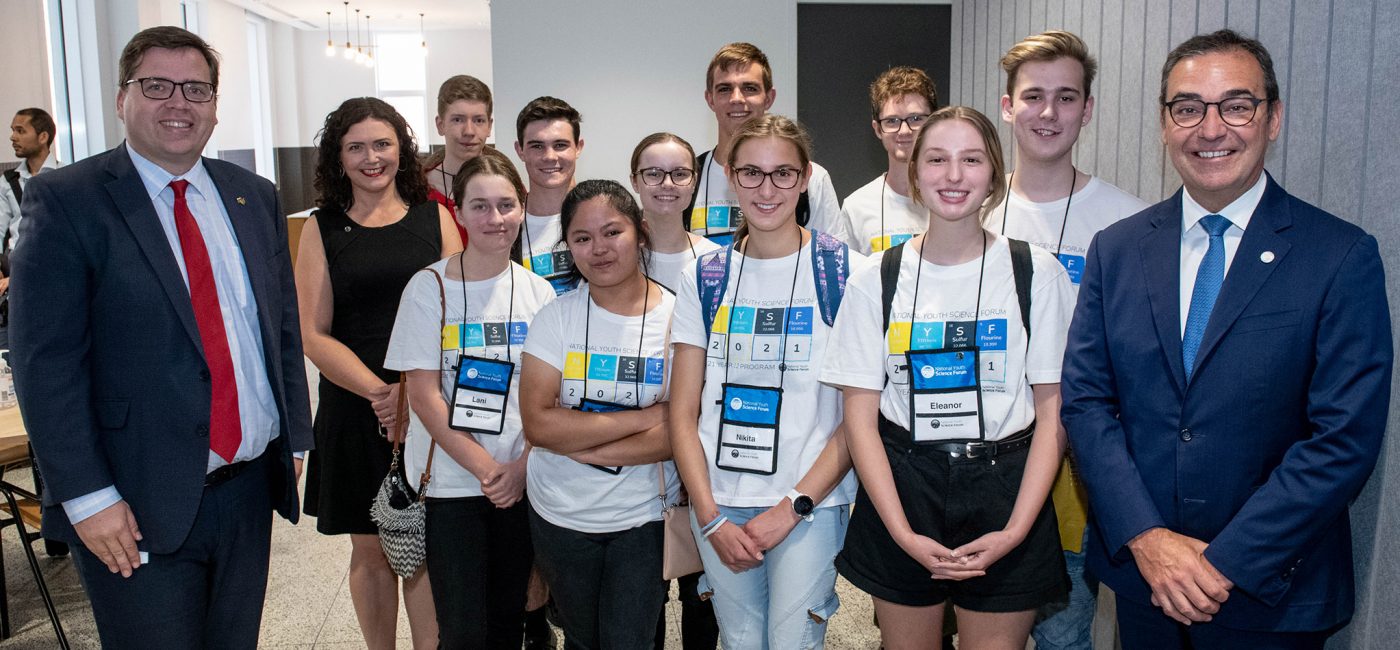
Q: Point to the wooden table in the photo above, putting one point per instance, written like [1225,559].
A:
[14,440]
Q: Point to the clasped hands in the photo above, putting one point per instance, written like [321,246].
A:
[1185,585]
[741,547]
[970,560]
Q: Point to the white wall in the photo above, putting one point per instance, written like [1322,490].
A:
[322,83]
[631,69]
[23,51]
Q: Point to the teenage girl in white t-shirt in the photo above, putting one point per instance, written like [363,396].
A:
[468,424]
[593,394]
[770,500]
[952,409]
[663,175]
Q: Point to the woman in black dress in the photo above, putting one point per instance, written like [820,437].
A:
[374,228]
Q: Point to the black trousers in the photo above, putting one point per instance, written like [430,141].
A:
[479,559]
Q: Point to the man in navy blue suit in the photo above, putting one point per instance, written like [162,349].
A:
[1227,381]
[158,362]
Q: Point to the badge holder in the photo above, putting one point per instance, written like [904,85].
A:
[480,395]
[599,406]
[945,397]
[748,429]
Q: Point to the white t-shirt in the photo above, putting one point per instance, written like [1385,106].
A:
[1094,207]
[487,326]
[610,368]
[716,213]
[667,268]
[947,299]
[544,255]
[879,218]
[810,410]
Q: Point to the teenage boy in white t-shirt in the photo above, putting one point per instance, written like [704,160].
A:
[738,88]
[881,214]
[548,143]
[1047,102]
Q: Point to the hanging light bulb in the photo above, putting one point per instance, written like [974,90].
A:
[349,49]
[423,44]
[330,45]
[369,46]
[359,42]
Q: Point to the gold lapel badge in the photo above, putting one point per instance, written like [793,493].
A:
[241,201]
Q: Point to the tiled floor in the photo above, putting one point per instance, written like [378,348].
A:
[308,601]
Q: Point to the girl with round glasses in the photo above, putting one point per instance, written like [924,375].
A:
[754,432]
[459,337]
[593,396]
[663,175]
[951,384]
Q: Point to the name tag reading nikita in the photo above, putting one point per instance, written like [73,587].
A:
[945,400]
[748,429]
[479,397]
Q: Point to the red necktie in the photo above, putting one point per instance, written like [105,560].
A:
[225,432]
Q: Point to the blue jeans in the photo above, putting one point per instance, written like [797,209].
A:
[1070,627]
[787,600]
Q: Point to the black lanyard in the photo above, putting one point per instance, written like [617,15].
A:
[787,313]
[510,311]
[919,274]
[1073,177]
[641,337]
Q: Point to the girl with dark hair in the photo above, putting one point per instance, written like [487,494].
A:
[374,228]
[593,398]
[460,344]
[663,175]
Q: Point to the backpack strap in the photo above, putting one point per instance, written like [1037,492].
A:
[12,176]
[804,209]
[830,270]
[711,280]
[1021,270]
[700,168]
[889,280]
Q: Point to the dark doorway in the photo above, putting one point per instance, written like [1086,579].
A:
[841,48]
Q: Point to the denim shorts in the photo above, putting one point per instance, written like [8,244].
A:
[954,501]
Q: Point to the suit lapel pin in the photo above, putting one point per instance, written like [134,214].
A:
[243,201]
[1266,257]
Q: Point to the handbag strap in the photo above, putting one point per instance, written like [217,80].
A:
[427,476]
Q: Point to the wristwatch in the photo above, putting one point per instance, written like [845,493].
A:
[801,504]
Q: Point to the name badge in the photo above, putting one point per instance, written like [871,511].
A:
[599,406]
[945,397]
[1074,265]
[479,397]
[748,429]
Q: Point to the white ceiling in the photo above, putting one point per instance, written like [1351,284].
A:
[397,15]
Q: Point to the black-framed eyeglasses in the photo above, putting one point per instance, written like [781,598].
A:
[1235,111]
[198,92]
[891,124]
[656,175]
[784,178]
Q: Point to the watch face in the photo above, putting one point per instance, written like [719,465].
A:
[803,505]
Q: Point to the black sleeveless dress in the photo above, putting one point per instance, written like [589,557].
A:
[369,268]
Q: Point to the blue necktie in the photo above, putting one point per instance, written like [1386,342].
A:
[1209,276]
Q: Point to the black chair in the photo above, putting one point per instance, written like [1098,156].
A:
[21,508]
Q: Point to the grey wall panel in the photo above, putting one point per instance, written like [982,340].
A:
[1335,62]
[955,58]
[1344,154]
[1307,109]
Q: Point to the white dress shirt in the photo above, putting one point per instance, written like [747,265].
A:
[256,408]
[9,203]
[1195,241]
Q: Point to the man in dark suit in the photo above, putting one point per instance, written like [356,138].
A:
[1227,381]
[158,362]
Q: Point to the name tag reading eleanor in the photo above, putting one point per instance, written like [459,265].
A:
[945,398]
[479,397]
[748,429]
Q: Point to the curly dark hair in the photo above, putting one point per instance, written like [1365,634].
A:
[332,187]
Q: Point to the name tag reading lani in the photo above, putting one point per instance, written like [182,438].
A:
[479,397]
[945,400]
[599,406]
[748,428]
